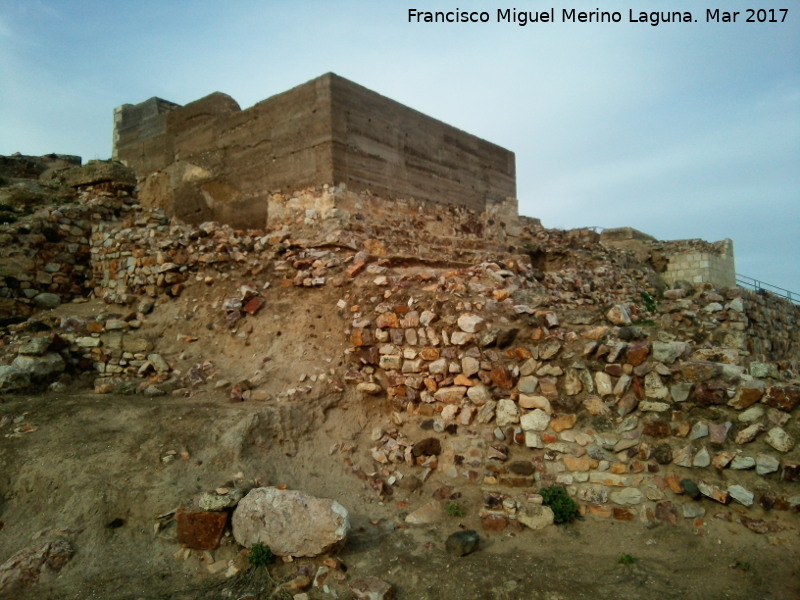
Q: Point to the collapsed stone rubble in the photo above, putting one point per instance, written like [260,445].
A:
[529,357]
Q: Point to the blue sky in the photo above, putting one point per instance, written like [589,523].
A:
[681,130]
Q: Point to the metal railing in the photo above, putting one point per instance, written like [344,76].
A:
[760,286]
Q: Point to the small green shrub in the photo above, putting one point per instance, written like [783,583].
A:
[742,566]
[626,559]
[564,508]
[260,555]
[650,301]
[455,509]
[645,323]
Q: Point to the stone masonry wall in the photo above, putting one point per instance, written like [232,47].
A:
[46,260]
[525,376]
[705,263]
[636,423]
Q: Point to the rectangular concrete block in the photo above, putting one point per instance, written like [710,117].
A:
[210,160]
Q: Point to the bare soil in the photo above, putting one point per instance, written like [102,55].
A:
[91,468]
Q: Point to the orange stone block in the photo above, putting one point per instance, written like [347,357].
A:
[623,514]
[200,530]
[500,295]
[559,424]
[577,464]
[387,320]
[674,483]
[429,354]
[604,512]
[463,380]
[502,378]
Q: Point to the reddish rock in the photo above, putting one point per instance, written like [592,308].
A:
[674,484]
[710,392]
[362,337]
[667,512]
[253,305]
[355,268]
[200,530]
[748,394]
[760,525]
[387,320]
[712,491]
[429,354]
[495,523]
[783,397]
[502,377]
[700,370]
[637,353]
[95,327]
[368,356]
[657,428]
[27,566]
[236,394]
[623,514]
[603,512]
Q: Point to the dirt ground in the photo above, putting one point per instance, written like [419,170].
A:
[99,470]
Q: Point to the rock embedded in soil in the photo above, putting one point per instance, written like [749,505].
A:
[427,447]
[40,368]
[13,379]
[290,522]
[200,530]
[216,501]
[779,439]
[371,588]
[462,543]
[536,517]
[31,564]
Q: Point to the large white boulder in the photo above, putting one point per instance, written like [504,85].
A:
[290,522]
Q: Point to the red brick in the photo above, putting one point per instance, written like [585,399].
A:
[200,530]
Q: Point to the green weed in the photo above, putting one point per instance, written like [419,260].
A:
[564,508]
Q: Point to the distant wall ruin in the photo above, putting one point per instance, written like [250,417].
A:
[210,160]
[692,261]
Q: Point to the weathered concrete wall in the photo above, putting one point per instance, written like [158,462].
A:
[209,160]
[138,133]
[390,149]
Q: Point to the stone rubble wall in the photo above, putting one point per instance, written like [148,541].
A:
[46,260]
[534,356]
[632,420]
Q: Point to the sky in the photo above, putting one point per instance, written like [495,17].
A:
[681,130]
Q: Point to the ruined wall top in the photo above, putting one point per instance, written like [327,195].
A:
[210,160]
